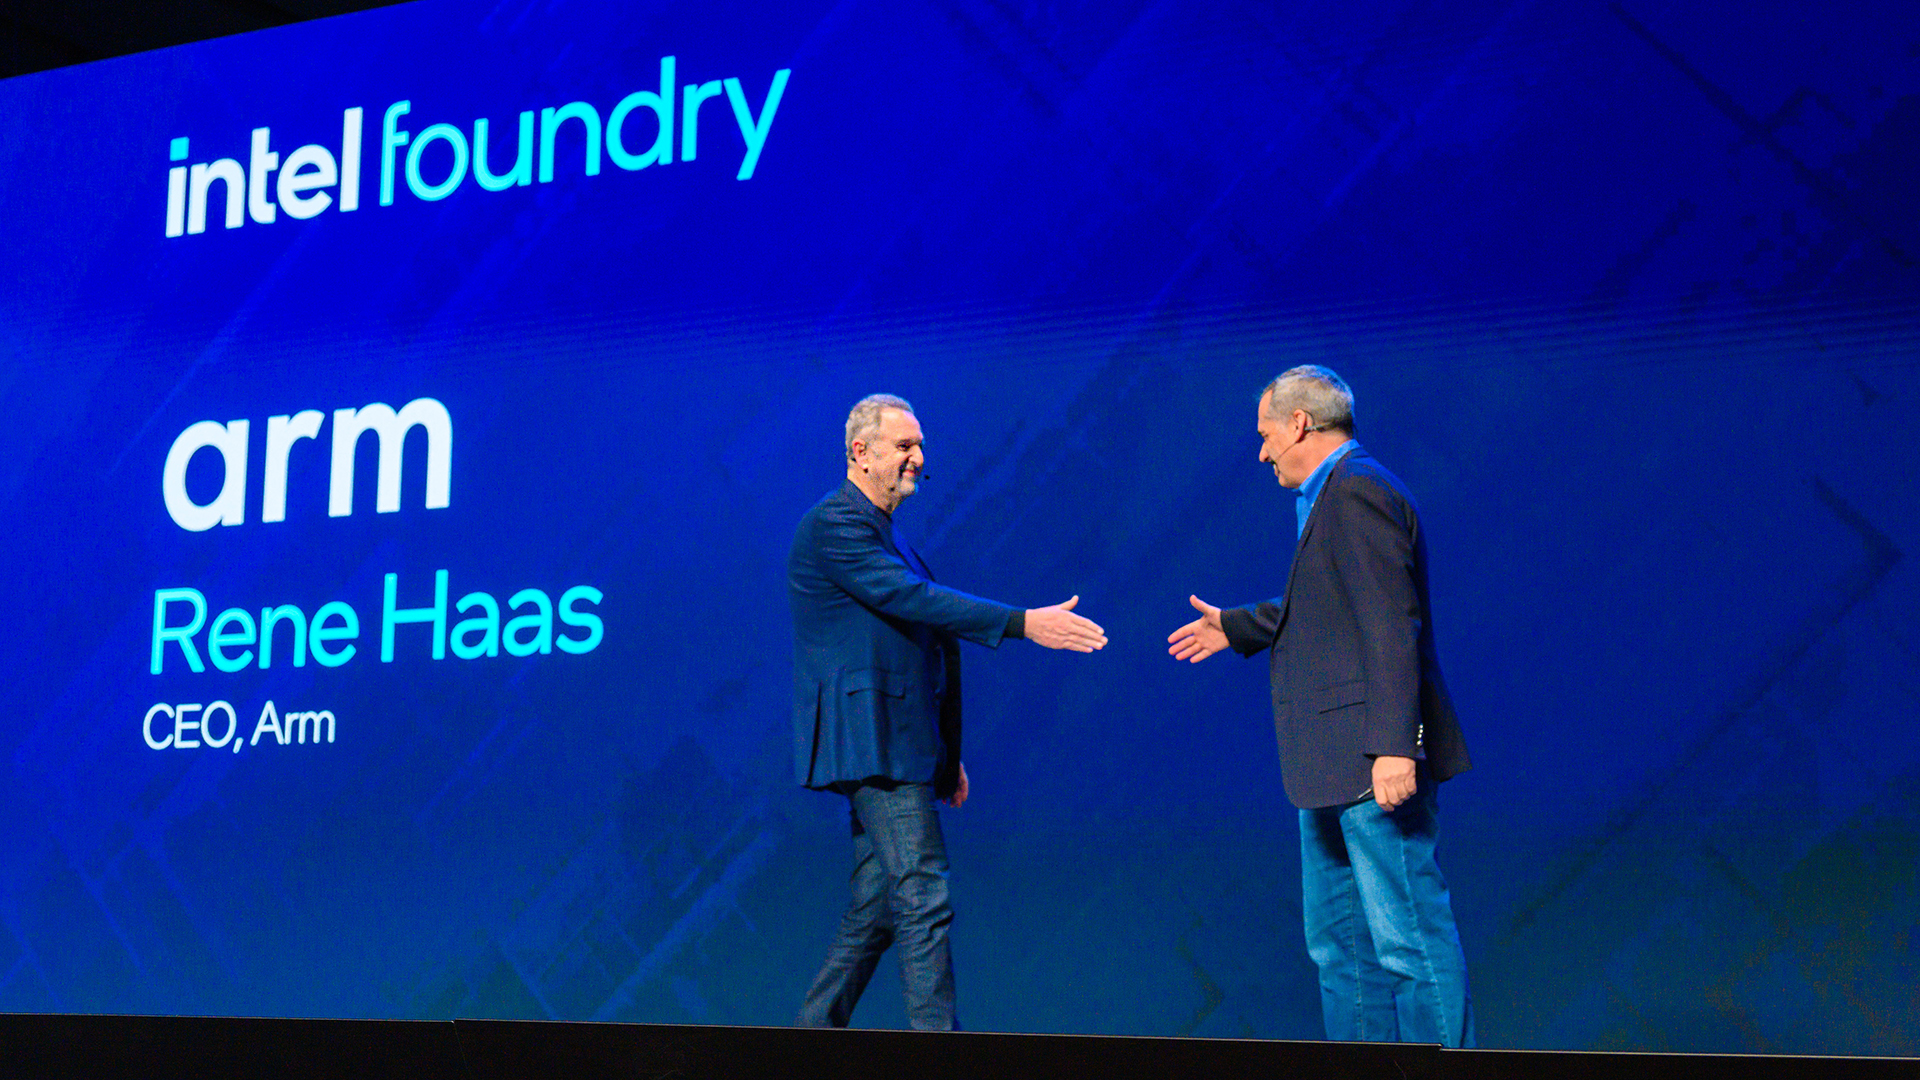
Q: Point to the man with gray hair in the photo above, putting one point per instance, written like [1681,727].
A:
[1365,725]
[876,710]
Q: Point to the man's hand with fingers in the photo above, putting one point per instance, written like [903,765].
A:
[1200,638]
[1057,627]
[1393,780]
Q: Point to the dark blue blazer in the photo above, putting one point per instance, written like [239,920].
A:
[876,656]
[1355,674]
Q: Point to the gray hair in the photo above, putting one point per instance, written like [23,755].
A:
[864,420]
[1314,390]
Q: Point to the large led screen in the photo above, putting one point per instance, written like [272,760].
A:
[407,415]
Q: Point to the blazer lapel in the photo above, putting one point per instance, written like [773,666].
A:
[1300,547]
[859,501]
[1293,571]
[888,536]
[893,541]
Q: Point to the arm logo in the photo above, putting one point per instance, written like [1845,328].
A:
[229,507]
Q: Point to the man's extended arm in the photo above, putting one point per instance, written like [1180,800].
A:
[853,557]
[1245,630]
[851,554]
[1250,629]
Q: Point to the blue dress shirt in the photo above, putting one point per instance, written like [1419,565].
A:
[1309,492]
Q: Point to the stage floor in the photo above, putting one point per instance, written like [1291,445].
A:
[229,1048]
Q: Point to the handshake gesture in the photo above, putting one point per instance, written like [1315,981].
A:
[1057,627]
[1200,638]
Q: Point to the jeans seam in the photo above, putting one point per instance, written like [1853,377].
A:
[1353,946]
[1422,941]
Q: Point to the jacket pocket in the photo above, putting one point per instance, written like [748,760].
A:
[1340,695]
[890,683]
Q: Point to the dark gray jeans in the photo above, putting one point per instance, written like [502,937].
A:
[899,897]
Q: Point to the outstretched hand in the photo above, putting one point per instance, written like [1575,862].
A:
[1200,638]
[1057,627]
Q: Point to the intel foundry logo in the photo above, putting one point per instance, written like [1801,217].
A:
[315,177]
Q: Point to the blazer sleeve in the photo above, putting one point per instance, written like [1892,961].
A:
[1250,629]
[1375,564]
[852,555]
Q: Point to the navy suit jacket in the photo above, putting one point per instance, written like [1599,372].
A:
[1355,674]
[876,655]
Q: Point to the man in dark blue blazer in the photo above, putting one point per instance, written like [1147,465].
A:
[876,710]
[1365,725]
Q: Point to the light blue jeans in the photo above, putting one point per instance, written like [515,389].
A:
[1380,924]
[899,897]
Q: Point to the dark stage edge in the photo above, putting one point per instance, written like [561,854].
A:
[58,1047]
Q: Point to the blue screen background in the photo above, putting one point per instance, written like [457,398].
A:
[1627,294]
